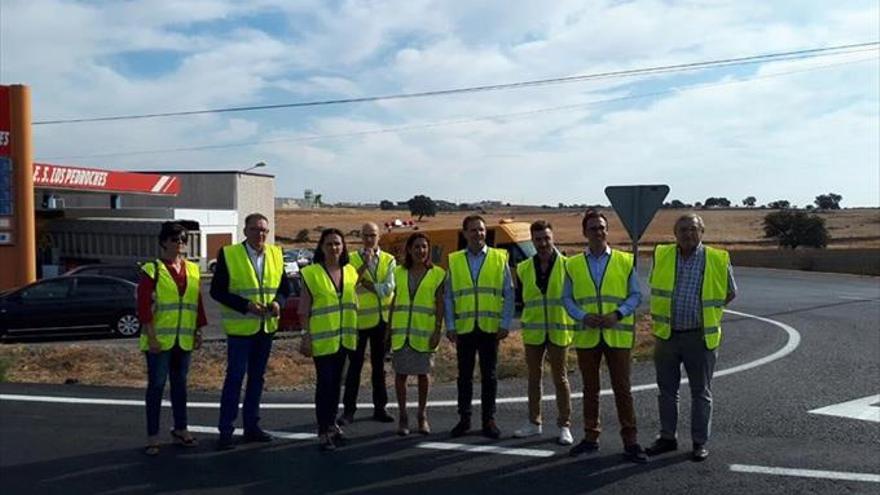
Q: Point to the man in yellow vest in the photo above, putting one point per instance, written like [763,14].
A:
[375,290]
[602,293]
[690,285]
[479,309]
[546,330]
[252,287]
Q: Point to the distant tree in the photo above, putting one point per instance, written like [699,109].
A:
[828,201]
[716,203]
[781,204]
[750,201]
[546,207]
[561,206]
[386,205]
[675,203]
[422,206]
[698,205]
[809,207]
[793,228]
[318,199]
[302,236]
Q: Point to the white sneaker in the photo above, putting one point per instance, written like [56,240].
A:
[529,430]
[565,437]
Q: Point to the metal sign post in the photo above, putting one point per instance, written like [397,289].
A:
[636,206]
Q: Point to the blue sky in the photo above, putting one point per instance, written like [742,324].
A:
[785,130]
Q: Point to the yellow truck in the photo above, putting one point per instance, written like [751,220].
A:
[511,236]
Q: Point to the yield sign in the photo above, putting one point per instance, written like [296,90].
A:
[636,205]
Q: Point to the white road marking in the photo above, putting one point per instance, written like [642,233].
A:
[865,409]
[857,298]
[794,339]
[287,435]
[806,473]
[485,449]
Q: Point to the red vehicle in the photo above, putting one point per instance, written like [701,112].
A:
[289,316]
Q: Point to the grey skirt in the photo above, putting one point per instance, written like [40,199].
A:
[408,361]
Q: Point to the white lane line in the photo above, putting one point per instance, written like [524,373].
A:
[485,449]
[865,409]
[806,473]
[794,340]
[857,298]
[287,435]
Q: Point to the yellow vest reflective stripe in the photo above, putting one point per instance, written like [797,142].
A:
[370,306]
[714,291]
[243,281]
[333,320]
[544,314]
[480,302]
[602,298]
[415,319]
[174,315]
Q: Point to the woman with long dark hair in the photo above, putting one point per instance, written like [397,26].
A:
[416,323]
[328,310]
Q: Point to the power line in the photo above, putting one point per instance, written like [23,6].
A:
[779,56]
[459,121]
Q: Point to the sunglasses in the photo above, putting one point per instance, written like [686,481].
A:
[181,239]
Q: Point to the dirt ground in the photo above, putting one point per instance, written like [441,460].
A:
[857,227]
[124,366]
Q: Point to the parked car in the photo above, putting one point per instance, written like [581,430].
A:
[82,304]
[130,272]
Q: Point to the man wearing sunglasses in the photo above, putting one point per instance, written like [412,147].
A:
[601,292]
[251,284]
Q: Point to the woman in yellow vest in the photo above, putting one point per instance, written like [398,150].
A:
[416,322]
[328,310]
[171,313]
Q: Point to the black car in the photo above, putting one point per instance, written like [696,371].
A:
[84,304]
[130,272]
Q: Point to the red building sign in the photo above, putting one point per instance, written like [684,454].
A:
[65,177]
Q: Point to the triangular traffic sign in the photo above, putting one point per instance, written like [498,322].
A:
[636,205]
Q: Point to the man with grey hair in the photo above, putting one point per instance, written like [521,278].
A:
[690,286]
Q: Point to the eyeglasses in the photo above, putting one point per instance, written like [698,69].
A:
[179,239]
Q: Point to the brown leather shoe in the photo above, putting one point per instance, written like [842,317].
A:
[490,430]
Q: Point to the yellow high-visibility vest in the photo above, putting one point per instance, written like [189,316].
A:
[243,281]
[714,291]
[597,299]
[478,302]
[370,306]
[415,319]
[543,313]
[333,320]
[174,315]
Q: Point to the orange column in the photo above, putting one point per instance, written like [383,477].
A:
[18,258]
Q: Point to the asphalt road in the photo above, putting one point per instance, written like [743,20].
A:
[819,344]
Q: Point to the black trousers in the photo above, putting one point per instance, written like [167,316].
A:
[467,347]
[328,388]
[376,338]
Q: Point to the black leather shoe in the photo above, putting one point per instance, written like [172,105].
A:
[461,429]
[700,453]
[225,443]
[635,453]
[584,447]
[382,416]
[257,436]
[490,430]
[662,446]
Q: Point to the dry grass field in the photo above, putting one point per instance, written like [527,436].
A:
[858,227]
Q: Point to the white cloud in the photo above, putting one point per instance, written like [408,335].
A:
[789,137]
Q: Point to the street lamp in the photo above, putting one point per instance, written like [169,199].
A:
[256,165]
